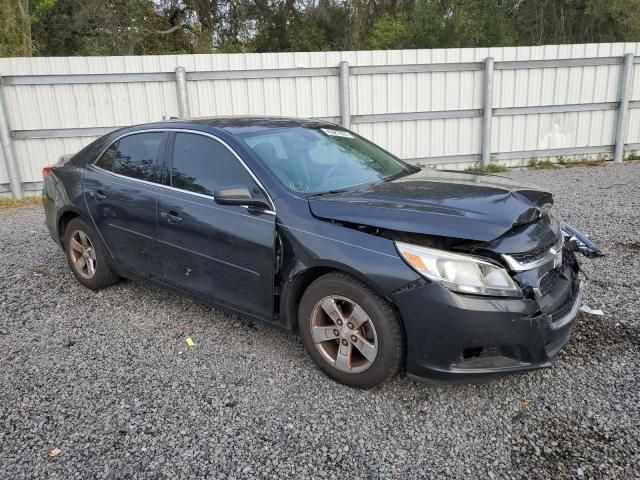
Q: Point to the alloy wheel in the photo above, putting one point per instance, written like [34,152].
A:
[344,334]
[83,254]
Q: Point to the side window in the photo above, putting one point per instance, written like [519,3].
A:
[137,154]
[108,158]
[202,165]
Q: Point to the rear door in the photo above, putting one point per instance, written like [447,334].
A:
[220,252]
[121,191]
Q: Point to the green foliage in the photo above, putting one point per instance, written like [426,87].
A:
[119,27]
[577,21]
[41,8]
[536,164]
[389,32]
[7,203]
[491,168]
[15,37]
[428,23]
[309,39]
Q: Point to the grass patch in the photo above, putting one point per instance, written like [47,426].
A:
[536,164]
[7,203]
[491,168]
[583,163]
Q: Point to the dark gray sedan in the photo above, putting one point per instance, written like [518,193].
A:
[379,265]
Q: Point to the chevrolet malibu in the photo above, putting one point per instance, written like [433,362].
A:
[379,265]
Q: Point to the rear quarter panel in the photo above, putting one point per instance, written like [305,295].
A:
[62,193]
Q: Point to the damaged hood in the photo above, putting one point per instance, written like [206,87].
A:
[447,204]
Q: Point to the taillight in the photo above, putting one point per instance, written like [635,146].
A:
[46,171]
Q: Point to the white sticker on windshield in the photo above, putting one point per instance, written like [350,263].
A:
[336,133]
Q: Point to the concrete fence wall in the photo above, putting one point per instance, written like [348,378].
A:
[448,107]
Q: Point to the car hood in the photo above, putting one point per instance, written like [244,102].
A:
[448,204]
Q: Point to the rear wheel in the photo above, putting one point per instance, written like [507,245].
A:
[86,255]
[352,333]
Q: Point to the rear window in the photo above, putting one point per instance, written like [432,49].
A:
[108,158]
[133,156]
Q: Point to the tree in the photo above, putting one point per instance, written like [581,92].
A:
[323,26]
[125,27]
[15,28]
[112,27]
[577,21]
[428,23]
[389,32]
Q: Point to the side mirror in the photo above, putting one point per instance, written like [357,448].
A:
[239,195]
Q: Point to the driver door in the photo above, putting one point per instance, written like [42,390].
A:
[224,253]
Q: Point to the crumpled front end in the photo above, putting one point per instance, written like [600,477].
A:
[453,336]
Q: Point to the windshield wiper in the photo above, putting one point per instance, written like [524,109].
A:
[351,189]
[329,192]
[395,176]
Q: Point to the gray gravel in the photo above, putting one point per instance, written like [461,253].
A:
[101,377]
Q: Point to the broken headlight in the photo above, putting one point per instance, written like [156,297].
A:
[460,273]
[581,243]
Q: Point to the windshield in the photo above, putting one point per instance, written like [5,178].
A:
[317,160]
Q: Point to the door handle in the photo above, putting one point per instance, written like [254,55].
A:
[98,195]
[172,217]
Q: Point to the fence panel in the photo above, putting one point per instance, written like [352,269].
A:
[424,105]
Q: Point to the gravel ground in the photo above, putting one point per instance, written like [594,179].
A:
[107,379]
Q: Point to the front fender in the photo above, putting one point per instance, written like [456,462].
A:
[308,254]
[373,260]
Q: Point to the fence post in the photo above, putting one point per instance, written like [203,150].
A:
[487,111]
[623,106]
[7,149]
[181,91]
[345,111]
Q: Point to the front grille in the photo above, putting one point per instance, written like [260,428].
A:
[549,280]
[532,255]
[494,356]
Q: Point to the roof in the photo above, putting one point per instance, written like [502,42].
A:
[238,125]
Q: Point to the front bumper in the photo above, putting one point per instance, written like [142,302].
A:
[454,337]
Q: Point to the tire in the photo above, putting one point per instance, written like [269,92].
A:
[328,319]
[93,255]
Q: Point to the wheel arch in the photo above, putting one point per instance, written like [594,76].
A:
[63,220]
[301,278]
[301,282]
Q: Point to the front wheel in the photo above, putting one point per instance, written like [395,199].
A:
[352,333]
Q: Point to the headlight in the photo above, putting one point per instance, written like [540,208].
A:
[461,273]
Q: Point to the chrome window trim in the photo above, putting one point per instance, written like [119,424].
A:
[167,187]
[184,130]
[550,256]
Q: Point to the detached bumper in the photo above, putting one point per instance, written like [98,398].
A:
[453,337]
